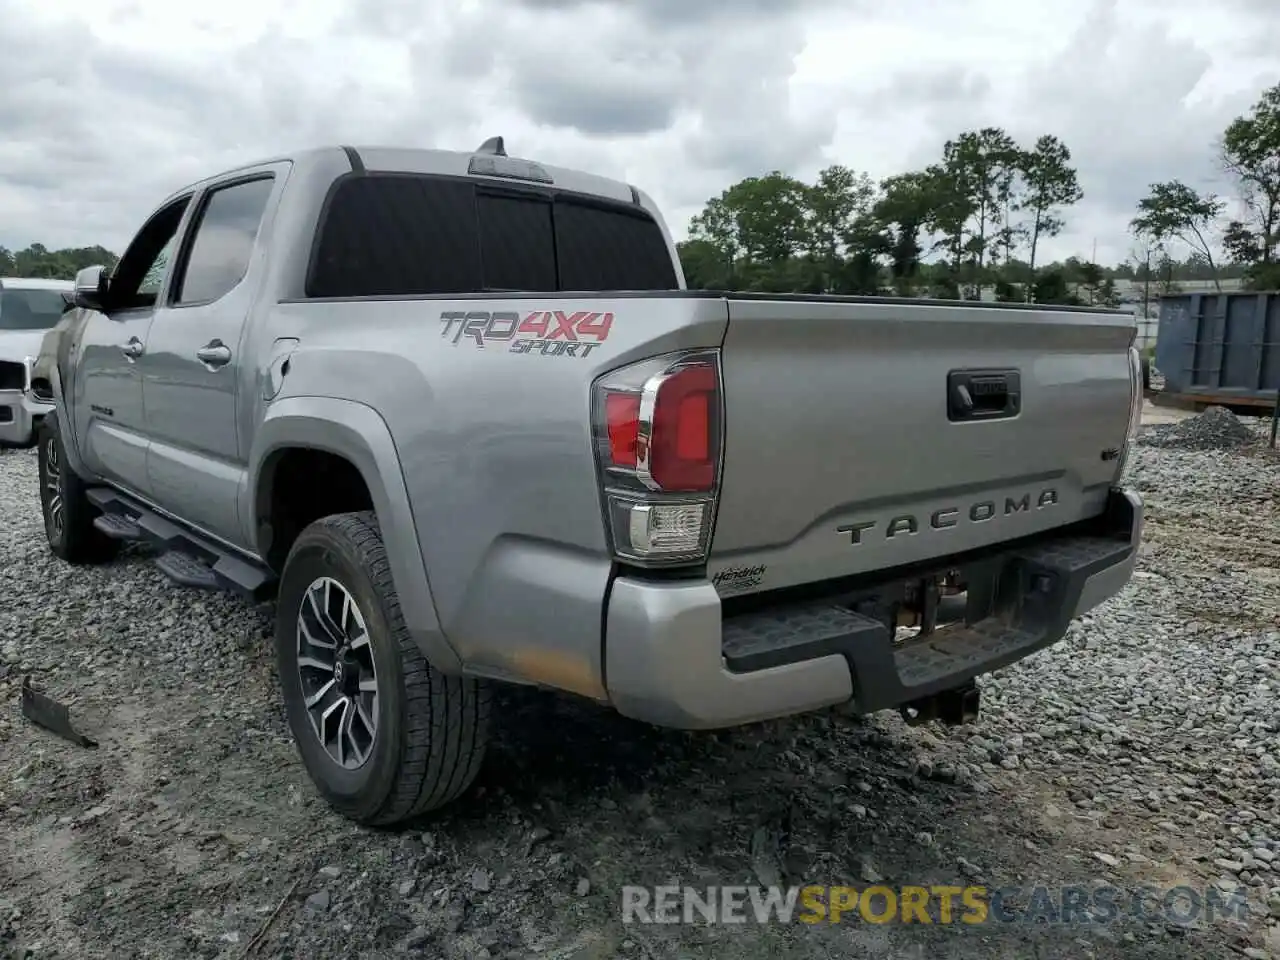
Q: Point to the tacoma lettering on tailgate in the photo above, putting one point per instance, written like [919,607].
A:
[546,333]
[947,517]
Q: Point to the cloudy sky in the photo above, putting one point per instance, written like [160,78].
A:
[108,105]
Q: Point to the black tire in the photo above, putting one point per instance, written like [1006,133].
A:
[68,514]
[432,729]
[1146,373]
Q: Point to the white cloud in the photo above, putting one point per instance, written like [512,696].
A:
[109,105]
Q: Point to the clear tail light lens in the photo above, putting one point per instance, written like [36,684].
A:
[658,427]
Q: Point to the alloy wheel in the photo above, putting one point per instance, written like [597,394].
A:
[53,486]
[337,674]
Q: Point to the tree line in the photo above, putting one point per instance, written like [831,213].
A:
[39,261]
[978,218]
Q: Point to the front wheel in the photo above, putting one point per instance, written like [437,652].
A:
[68,514]
[382,733]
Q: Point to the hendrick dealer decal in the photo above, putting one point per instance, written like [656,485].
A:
[544,333]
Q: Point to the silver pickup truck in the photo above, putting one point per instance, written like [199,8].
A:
[457,414]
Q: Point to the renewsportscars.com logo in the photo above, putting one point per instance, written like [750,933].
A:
[934,904]
[547,333]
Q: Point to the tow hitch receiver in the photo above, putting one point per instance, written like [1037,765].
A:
[953,707]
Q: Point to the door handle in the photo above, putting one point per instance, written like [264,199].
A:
[214,354]
[133,349]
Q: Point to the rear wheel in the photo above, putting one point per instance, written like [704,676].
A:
[68,514]
[383,734]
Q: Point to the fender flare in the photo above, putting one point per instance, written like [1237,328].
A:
[357,433]
[66,423]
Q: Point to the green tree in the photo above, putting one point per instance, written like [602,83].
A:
[974,187]
[905,208]
[1174,210]
[950,207]
[770,214]
[839,204]
[1051,184]
[1051,287]
[705,266]
[1166,275]
[1107,295]
[1091,280]
[717,227]
[1251,155]
[1142,258]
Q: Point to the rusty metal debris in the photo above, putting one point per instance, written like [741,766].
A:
[53,716]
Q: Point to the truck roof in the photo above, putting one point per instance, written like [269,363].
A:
[431,161]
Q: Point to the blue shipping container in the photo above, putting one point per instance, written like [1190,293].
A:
[1225,345]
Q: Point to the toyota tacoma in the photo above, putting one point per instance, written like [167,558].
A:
[457,414]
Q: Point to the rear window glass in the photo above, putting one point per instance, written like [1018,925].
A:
[405,235]
[610,250]
[517,243]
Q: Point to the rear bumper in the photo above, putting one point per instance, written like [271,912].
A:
[674,659]
[20,414]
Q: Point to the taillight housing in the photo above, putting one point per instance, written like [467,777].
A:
[1135,409]
[659,428]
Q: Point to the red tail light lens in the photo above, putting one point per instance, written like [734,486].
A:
[622,416]
[681,449]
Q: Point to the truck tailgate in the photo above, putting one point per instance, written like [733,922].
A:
[850,445]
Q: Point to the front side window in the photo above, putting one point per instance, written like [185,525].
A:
[140,272]
[30,309]
[154,276]
[223,243]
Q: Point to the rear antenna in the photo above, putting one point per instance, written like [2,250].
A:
[493,145]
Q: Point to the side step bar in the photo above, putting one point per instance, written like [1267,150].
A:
[188,558]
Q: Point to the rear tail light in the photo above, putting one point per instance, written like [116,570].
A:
[658,427]
[1135,409]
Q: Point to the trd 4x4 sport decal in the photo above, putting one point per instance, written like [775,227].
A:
[548,333]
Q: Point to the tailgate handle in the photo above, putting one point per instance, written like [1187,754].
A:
[983,394]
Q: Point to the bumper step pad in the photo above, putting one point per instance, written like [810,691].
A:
[1032,596]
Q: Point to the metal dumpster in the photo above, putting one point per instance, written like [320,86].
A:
[1221,347]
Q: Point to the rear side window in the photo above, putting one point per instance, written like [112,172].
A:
[390,235]
[223,243]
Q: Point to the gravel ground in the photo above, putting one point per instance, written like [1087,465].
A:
[1143,750]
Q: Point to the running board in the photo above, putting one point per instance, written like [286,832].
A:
[188,558]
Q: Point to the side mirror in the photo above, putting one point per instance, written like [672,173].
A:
[91,288]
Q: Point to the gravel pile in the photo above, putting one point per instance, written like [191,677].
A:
[1217,428]
[1142,751]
